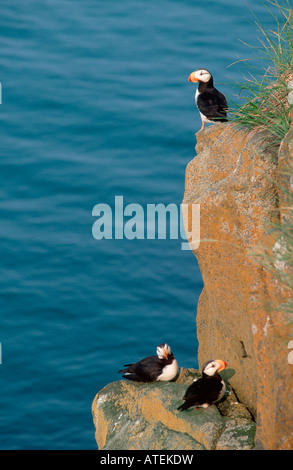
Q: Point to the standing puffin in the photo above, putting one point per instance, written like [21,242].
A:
[162,367]
[209,389]
[211,103]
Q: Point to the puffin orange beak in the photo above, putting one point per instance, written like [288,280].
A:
[165,353]
[222,364]
[192,78]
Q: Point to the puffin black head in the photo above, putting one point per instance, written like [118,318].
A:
[203,76]
[164,351]
[213,366]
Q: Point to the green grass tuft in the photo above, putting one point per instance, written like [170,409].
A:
[265,88]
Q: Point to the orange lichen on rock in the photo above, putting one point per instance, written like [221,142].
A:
[233,178]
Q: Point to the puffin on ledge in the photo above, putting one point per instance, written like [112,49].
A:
[209,389]
[162,367]
[211,103]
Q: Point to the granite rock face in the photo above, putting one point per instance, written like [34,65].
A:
[238,317]
[138,416]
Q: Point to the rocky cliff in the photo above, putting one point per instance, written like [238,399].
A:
[233,178]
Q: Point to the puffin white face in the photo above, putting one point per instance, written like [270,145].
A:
[213,366]
[163,351]
[200,75]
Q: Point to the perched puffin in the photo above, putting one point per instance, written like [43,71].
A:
[162,367]
[209,389]
[211,103]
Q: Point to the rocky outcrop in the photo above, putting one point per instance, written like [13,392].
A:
[233,178]
[239,184]
[137,416]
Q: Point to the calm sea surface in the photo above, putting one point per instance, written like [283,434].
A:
[96,104]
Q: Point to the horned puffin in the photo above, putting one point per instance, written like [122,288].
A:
[162,367]
[209,389]
[211,103]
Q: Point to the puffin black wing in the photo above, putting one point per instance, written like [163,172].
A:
[213,104]
[204,390]
[146,370]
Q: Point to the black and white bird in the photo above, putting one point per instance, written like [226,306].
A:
[211,103]
[162,367]
[209,389]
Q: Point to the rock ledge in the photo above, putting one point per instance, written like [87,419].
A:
[137,416]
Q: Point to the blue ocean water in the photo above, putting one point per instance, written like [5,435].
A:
[96,104]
